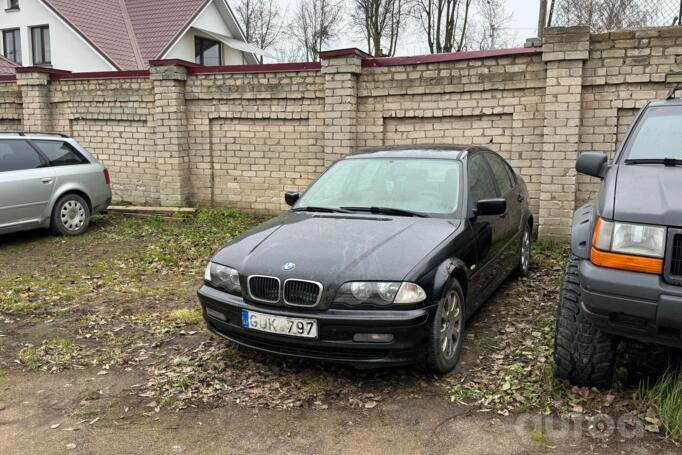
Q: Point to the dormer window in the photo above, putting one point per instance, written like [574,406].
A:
[207,52]
[12,5]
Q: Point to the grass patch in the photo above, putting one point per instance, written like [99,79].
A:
[666,397]
[54,353]
[547,253]
[134,257]
[185,316]
[85,414]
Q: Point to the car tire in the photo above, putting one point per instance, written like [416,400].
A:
[446,333]
[523,265]
[584,355]
[70,216]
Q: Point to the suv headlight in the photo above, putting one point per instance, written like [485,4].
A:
[223,277]
[381,293]
[626,246]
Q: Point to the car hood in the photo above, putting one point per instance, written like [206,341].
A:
[335,248]
[649,194]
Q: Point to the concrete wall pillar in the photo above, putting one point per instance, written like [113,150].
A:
[35,96]
[171,135]
[341,69]
[565,51]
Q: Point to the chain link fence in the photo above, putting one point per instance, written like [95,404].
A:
[604,15]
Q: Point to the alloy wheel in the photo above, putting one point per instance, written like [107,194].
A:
[450,324]
[525,251]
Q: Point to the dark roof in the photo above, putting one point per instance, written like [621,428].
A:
[7,67]
[128,33]
[416,151]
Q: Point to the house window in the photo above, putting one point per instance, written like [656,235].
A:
[11,45]
[207,52]
[40,42]
[12,4]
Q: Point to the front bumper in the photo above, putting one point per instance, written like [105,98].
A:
[335,331]
[633,305]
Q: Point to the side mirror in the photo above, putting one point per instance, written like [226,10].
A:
[488,207]
[592,164]
[290,197]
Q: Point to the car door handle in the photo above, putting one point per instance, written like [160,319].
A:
[46,180]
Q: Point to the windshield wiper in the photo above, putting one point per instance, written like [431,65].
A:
[386,211]
[320,209]
[664,161]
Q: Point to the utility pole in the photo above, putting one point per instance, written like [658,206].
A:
[542,18]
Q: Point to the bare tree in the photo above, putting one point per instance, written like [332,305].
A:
[380,22]
[600,15]
[261,21]
[315,23]
[445,23]
[490,30]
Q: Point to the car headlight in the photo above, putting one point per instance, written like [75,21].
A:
[223,277]
[382,293]
[626,246]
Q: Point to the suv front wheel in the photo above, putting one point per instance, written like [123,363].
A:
[583,354]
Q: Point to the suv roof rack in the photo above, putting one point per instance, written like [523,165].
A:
[671,93]
[29,133]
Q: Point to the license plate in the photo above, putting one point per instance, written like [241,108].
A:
[282,325]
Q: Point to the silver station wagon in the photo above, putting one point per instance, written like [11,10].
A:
[49,181]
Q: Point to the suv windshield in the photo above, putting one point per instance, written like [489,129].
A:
[658,135]
[418,185]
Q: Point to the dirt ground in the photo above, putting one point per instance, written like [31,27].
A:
[102,350]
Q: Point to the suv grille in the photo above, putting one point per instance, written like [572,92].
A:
[302,293]
[264,288]
[676,258]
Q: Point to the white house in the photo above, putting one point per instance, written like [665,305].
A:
[109,35]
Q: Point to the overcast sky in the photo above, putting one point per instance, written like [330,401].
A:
[523,25]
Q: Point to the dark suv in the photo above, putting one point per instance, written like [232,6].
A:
[624,275]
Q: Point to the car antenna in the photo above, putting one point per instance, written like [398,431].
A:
[671,93]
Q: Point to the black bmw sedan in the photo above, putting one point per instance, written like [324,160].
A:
[380,262]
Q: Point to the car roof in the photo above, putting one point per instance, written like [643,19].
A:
[671,102]
[428,151]
[30,135]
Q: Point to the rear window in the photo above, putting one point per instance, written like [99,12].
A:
[18,156]
[60,153]
[658,135]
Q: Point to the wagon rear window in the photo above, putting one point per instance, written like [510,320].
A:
[421,185]
[60,153]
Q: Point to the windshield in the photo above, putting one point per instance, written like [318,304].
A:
[658,135]
[419,185]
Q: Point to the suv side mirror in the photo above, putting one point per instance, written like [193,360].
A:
[592,164]
[290,197]
[487,207]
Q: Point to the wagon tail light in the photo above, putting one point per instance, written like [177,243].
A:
[625,246]
[107,179]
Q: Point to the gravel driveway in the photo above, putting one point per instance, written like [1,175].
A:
[102,349]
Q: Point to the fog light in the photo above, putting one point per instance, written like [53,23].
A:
[373,337]
[215,314]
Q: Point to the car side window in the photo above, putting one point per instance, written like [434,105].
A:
[60,153]
[501,172]
[18,156]
[481,182]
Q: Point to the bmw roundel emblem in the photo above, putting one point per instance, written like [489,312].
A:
[288,266]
